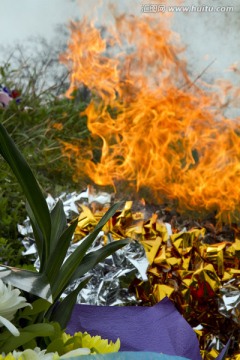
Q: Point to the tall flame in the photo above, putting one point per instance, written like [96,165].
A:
[158,128]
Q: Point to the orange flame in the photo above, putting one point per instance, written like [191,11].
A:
[85,54]
[158,129]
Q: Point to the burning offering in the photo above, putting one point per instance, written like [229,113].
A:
[151,125]
[147,256]
[156,131]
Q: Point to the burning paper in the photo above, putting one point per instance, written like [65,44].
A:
[151,125]
[156,129]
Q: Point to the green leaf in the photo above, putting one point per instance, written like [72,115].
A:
[94,257]
[62,244]
[28,183]
[71,264]
[32,344]
[59,224]
[2,71]
[30,281]
[38,306]
[56,345]
[26,335]
[38,236]
[62,312]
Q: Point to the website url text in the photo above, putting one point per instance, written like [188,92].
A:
[156,8]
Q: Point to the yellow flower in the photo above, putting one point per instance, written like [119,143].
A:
[95,343]
[7,357]
[79,344]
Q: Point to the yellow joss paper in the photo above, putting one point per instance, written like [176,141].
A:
[160,291]
[183,242]
[206,281]
[186,262]
[86,217]
[213,354]
[234,249]
[162,258]
[86,222]
[215,255]
[184,267]
[152,251]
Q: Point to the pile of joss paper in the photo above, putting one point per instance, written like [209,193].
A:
[201,277]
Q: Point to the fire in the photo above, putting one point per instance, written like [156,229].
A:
[158,128]
[88,63]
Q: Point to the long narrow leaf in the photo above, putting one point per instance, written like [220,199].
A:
[59,224]
[28,182]
[94,257]
[71,264]
[55,261]
[38,236]
[63,311]
[29,281]
[26,335]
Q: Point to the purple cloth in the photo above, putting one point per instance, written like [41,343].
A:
[159,328]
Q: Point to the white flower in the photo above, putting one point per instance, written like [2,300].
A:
[35,354]
[38,354]
[10,302]
[75,353]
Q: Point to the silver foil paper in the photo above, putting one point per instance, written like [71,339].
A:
[229,301]
[111,278]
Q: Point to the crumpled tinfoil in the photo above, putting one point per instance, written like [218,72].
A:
[110,279]
[202,279]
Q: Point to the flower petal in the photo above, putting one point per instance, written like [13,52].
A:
[9,325]
[10,301]
[75,353]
